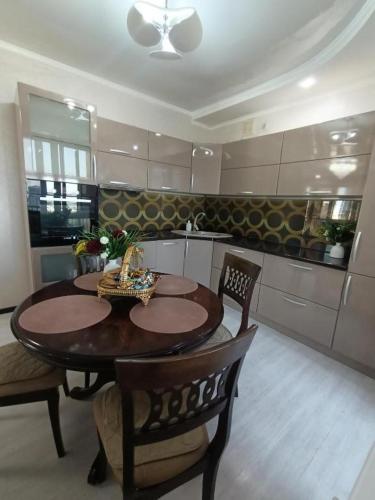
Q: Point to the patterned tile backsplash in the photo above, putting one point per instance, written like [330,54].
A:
[288,221]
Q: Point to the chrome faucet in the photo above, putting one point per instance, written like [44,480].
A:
[196,218]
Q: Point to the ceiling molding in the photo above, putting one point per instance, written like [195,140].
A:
[365,82]
[325,55]
[103,81]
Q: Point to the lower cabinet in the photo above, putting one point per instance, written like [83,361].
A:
[170,256]
[198,258]
[301,316]
[214,285]
[355,330]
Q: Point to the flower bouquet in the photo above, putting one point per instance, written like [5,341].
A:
[105,248]
[337,233]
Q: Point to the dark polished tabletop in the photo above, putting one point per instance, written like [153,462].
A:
[95,348]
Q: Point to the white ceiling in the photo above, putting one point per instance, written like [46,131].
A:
[251,56]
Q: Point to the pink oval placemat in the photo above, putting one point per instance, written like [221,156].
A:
[88,281]
[175,285]
[65,314]
[169,315]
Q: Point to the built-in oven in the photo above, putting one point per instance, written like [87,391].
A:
[58,214]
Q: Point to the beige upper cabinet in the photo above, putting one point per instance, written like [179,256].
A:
[206,168]
[252,180]
[164,177]
[264,150]
[115,137]
[169,149]
[362,259]
[353,135]
[121,171]
[355,330]
[335,176]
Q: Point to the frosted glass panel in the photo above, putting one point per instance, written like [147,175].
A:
[59,121]
[58,159]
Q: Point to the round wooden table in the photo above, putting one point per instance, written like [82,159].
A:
[95,348]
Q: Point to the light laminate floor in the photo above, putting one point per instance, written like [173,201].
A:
[302,428]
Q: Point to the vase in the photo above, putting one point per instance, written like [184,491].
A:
[337,251]
[112,264]
[91,263]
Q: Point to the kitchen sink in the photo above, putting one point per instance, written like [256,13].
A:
[201,234]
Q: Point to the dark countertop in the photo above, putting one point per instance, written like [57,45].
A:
[278,249]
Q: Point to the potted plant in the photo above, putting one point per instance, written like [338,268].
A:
[106,245]
[337,233]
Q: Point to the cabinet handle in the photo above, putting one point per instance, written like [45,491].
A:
[304,268]
[236,250]
[94,166]
[324,191]
[120,152]
[169,243]
[166,187]
[356,245]
[295,302]
[246,192]
[347,289]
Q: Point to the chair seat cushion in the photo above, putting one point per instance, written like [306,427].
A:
[21,372]
[222,334]
[156,462]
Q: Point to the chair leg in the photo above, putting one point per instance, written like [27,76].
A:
[53,410]
[87,380]
[98,471]
[66,388]
[209,480]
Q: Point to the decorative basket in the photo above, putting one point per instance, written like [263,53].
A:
[122,282]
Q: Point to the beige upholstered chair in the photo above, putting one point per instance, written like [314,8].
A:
[237,281]
[26,379]
[153,420]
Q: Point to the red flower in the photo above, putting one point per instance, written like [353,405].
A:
[93,246]
[117,233]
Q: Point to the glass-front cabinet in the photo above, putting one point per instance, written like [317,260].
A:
[58,136]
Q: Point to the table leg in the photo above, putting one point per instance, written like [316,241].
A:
[85,392]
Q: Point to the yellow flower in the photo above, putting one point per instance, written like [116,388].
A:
[80,247]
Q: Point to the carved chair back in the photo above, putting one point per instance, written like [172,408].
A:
[184,392]
[237,280]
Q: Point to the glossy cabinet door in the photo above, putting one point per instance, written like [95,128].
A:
[252,180]
[170,256]
[149,254]
[164,177]
[301,316]
[220,249]
[353,135]
[214,285]
[316,283]
[198,259]
[169,149]
[362,259]
[206,168]
[115,137]
[355,330]
[339,176]
[263,150]
[121,171]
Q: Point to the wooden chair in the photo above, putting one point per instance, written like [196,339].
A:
[237,280]
[26,379]
[153,419]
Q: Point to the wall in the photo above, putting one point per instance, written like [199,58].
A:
[14,270]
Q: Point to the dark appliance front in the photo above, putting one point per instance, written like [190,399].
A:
[60,211]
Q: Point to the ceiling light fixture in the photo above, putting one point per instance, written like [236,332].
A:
[307,82]
[172,31]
